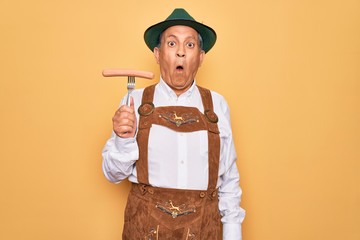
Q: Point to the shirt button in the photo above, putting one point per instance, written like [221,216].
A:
[202,194]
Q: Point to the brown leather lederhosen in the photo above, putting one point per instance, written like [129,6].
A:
[162,213]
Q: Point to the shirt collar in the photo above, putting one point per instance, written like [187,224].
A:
[170,93]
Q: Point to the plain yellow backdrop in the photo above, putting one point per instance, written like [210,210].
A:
[290,71]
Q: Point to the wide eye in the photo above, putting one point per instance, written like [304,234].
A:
[171,44]
[190,44]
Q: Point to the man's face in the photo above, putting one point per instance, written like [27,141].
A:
[179,57]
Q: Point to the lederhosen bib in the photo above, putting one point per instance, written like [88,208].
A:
[154,213]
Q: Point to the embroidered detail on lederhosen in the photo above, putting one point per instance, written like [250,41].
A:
[163,213]
[186,118]
[175,211]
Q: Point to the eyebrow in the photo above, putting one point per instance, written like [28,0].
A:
[174,36]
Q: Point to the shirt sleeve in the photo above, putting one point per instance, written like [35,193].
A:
[119,156]
[229,190]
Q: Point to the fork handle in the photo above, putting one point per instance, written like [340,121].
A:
[128,99]
[121,72]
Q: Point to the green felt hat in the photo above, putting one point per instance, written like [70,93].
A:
[180,17]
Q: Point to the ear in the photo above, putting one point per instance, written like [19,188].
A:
[156,54]
[201,57]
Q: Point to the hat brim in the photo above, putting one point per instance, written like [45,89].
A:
[152,34]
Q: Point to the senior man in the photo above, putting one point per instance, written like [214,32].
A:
[174,143]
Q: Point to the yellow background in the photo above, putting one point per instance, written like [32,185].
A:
[290,71]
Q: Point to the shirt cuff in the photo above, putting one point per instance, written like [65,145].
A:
[232,231]
[125,145]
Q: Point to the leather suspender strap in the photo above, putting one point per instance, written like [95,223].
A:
[145,110]
[213,137]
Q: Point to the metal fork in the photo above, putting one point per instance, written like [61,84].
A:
[130,88]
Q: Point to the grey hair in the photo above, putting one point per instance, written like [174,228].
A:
[201,44]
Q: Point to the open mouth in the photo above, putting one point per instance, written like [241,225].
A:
[179,68]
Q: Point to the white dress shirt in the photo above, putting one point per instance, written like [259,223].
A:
[180,160]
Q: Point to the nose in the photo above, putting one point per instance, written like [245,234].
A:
[180,52]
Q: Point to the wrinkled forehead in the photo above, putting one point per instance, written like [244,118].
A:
[180,31]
